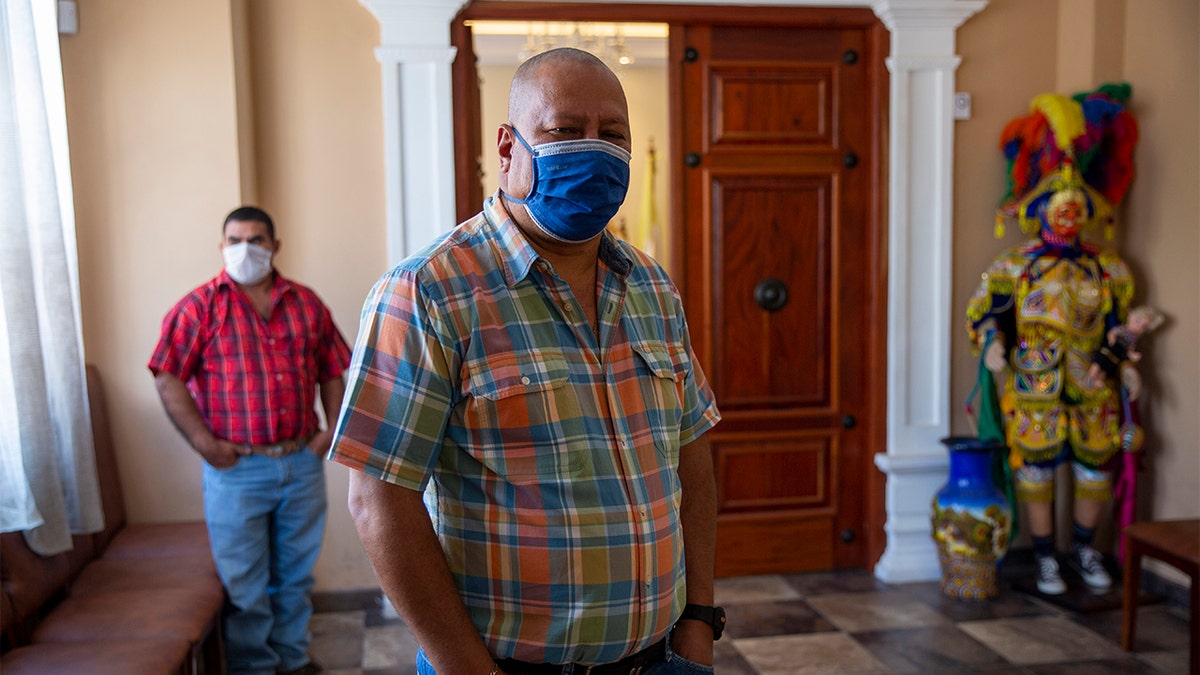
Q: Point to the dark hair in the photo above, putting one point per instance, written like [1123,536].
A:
[252,214]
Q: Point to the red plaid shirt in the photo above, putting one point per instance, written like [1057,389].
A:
[253,379]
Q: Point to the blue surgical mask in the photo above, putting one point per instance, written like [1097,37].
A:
[577,187]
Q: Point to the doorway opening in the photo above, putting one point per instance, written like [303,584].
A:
[637,53]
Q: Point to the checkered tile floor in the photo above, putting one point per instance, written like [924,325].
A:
[844,622]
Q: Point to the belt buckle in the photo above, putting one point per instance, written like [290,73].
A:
[276,450]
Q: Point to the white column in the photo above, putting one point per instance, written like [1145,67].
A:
[415,57]
[920,192]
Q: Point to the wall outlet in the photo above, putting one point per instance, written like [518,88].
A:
[68,17]
[962,106]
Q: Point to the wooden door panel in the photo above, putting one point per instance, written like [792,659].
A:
[776,543]
[771,227]
[771,103]
[779,472]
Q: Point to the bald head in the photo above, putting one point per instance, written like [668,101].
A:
[541,71]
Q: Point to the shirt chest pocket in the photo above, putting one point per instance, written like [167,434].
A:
[663,393]
[523,416]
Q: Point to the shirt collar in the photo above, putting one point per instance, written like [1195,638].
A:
[518,255]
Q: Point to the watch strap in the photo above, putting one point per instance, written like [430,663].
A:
[713,616]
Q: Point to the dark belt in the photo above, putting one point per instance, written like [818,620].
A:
[282,449]
[630,665]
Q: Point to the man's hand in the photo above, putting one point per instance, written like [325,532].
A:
[221,454]
[693,640]
[404,550]
[319,443]
[184,414]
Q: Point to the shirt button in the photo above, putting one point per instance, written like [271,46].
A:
[524,379]
[568,309]
[278,377]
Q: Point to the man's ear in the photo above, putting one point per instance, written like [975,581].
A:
[278,245]
[504,146]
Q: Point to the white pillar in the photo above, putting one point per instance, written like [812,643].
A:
[415,57]
[920,215]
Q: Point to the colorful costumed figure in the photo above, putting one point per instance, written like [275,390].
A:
[1046,307]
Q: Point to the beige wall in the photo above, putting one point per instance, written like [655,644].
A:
[1160,235]
[153,108]
[153,130]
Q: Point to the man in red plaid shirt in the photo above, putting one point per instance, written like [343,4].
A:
[238,366]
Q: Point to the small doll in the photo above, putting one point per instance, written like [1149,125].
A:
[1121,342]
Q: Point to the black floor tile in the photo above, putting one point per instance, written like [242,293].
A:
[765,619]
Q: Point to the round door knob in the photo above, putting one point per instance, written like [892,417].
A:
[849,160]
[848,536]
[692,159]
[849,422]
[771,294]
[850,57]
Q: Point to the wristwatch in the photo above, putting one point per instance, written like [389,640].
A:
[713,616]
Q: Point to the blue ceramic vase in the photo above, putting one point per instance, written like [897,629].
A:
[970,519]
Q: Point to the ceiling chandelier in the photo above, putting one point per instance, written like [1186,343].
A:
[604,41]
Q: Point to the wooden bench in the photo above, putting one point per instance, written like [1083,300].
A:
[132,598]
[1175,542]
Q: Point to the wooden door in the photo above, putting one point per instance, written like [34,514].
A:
[779,196]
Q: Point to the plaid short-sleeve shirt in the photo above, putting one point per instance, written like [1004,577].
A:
[554,455]
[253,379]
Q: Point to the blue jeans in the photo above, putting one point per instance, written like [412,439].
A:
[266,519]
[674,664]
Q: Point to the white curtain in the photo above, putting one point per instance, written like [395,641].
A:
[48,488]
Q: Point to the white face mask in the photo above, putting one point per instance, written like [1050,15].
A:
[247,263]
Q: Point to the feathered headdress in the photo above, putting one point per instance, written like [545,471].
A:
[1085,141]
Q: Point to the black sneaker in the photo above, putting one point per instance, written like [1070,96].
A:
[1088,562]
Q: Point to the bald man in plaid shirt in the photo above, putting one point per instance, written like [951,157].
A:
[538,372]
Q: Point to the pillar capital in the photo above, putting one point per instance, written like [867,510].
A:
[413,23]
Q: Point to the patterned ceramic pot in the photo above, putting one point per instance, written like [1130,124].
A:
[970,519]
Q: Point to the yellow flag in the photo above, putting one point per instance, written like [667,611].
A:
[646,236]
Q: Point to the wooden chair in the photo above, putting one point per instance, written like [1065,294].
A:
[1176,542]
